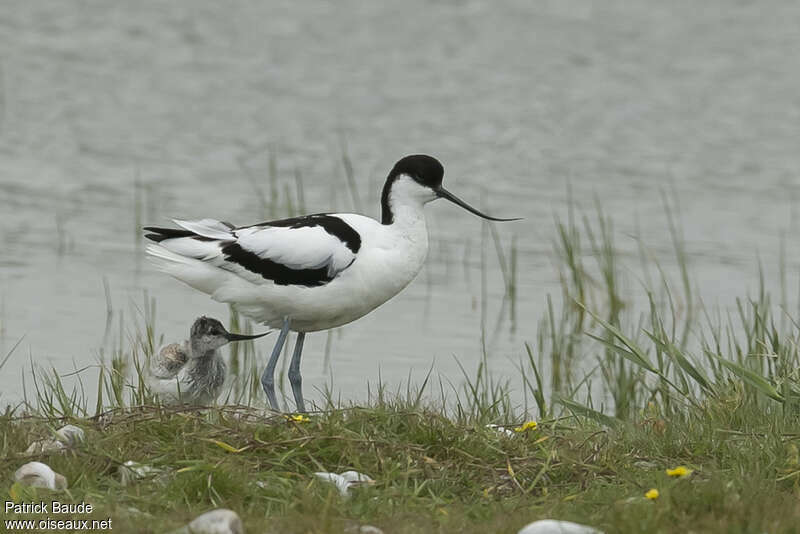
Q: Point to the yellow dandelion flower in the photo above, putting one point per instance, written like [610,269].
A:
[652,494]
[298,418]
[680,472]
[528,425]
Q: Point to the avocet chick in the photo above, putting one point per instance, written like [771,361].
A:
[193,372]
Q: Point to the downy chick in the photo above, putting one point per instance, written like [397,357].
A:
[193,372]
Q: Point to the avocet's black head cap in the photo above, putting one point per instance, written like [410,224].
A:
[425,170]
[428,172]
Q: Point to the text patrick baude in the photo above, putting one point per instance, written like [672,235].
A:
[52,507]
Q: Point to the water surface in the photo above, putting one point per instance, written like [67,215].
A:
[114,115]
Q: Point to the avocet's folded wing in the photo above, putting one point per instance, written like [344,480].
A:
[305,251]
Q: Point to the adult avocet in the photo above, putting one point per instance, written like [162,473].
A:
[193,372]
[310,273]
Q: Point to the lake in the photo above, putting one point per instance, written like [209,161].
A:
[117,115]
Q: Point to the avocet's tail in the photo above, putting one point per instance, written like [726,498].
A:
[205,228]
[193,253]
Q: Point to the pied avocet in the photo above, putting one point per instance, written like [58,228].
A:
[310,273]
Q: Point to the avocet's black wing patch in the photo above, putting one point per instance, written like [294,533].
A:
[306,251]
[277,272]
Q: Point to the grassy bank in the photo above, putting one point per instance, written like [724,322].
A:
[432,474]
[623,384]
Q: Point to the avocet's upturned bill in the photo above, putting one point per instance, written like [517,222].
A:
[310,273]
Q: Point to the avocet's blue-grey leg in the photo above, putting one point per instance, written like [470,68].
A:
[294,373]
[268,378]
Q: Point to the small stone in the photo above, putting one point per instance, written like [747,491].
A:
[554,526]
[39,475]
[219,521]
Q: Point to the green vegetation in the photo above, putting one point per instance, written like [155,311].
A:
[622,386]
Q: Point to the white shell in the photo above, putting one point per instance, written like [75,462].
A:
[130,471]
[554,526]
[505,430]
[345,481]
[39,475]
[67,436]
[219,521]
